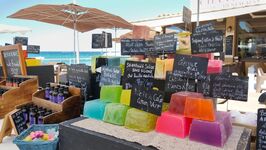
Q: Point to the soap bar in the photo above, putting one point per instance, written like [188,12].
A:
[178,101]
[94,109]
[199,108]
[169,65]
[125,97]
[114,61]
[212,133]
[162,66]
[210,56]
[173,124]
[165,107]
[111,93]
[115,113]
[139,120]
[214,66]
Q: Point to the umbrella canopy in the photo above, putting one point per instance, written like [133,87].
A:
[13,29]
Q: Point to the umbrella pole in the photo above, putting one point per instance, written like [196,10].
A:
[76,50]
[115,41]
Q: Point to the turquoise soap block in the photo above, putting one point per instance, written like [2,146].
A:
[114,61]
[115,113]
[94,109]
[111,93]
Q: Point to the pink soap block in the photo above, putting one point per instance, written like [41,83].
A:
[178,101]
[206,55]
[212,133]
[173,124]
[214,66]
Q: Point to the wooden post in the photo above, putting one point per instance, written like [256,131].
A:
[6,127]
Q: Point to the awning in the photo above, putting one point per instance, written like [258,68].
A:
[13,29]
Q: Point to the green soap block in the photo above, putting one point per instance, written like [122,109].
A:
[139,120]
[111,93]
[115,113]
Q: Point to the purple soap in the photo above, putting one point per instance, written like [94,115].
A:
[212,133]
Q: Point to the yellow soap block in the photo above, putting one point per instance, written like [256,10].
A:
[33,62]
[93,64]
[169,64]
[159,69]
[165,107]
[125,97]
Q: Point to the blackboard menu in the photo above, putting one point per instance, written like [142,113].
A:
[11,59]
[149,48]
[33,49]
[187,66]
[21,40]
[204,28]
[261,129]
[138,74]
[98,40]
[203,86]
[6,44]
[229,87]
[109,40]
[110,76]
[147,100]
[132,47]
[165,43]
[175,84]
[229,45]
[19,121]
[207,42]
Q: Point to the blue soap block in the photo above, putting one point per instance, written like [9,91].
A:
[114,61]
[94,109]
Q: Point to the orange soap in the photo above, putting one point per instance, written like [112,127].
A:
[198,108]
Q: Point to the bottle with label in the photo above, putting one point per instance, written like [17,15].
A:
[55,94]
[32,116]
[66,93]
[25,113]
[60,96]
[40,116]
[51,94]
[47,91]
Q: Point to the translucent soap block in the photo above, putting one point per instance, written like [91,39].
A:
[178,101]
[111,93]
[165,107]
[169,64]
[214,66]
[94,109]
[162,66]
[93,64]
[198,108]
[114,61]
[115,113]
[173,124]
[205,55]
[212,133]
[139,120]
[125,97]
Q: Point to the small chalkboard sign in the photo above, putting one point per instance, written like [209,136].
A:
[21,40]
[33,49]
[229,87]
[261,129]
[99,40]
[204,28]
[18,121]
[6,44]
[165,43]
[193,67]
[229,45]
[176,84]
[132,47]
[12,59]
[110,76]
[138,74]
[149,48]
[203,86]
[147,100]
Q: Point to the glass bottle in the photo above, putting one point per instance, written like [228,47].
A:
[60,96]
[55,93]
[66,93]
[32,116]
[47,91]
[51,94]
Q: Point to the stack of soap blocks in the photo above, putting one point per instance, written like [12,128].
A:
[113,107]
[190,114]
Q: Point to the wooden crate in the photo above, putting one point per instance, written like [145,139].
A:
[17,95]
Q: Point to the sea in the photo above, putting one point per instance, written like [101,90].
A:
[66,57]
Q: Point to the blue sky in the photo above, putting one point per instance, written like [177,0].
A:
[49,37]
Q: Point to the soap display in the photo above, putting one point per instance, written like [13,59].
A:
[111,93]
[212,133]
[94,109]
[178,101]
[199,108]
[139,120]
[214,66]
[115,113]
[162,66]
[125,97]
[173,124]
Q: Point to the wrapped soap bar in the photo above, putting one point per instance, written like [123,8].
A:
[214,66]
[178,101]
[94,109]
[111,93]
[115,113]
[125,97]
[199,108]
[173,124]
[212,133]
[139,120]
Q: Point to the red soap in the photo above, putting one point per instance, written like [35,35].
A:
[173,124]
[214,66]
[206,55]
[178,101]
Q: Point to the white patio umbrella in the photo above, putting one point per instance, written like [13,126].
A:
[13,29]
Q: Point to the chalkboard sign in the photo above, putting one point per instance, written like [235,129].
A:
[109,40]
[165,43]
[229,45]
[132,47]
[101,62]
[13,62]
[149,48]
[261,129]
[110,76]
[18,121]
[98,40]
[207,42]
[190,66]
[138,74]
[147,100]
[6,44]
[229,87]
[21,40]
[204,28]
[203,86]
[175,84]
[33,49]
